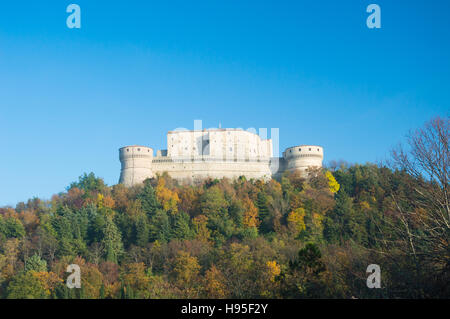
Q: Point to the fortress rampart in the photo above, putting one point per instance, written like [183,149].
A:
[195,155]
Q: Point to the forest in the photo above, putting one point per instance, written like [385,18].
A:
[303,236]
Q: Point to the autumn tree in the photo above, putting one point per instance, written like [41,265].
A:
[296,221]
[49,281]
[250,214]
[185,270]
[214,284]
[200,225]
[332,183]
[237,266]
[425,217]
[168,198]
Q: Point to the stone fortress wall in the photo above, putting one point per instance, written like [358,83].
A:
[215,153]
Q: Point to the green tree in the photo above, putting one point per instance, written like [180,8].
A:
[35,263]
[89,183]
[142,231]
[213,201]
[262,204]
[160,228]
[26,286]
[181,227]
[11,227]
[147,196]
[112,240]
[309,260]
[340,225]
[304,277]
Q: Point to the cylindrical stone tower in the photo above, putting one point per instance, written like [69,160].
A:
[136,164]
[303,156]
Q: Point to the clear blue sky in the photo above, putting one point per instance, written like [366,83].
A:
[136,69]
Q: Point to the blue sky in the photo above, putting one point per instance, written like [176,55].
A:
[136,69]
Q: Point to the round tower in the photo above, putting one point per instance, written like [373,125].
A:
[136,164]
[302,157]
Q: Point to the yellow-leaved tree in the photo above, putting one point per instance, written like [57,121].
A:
[250,213]
[49,280]
[332,182]
[274,269]
[214,284]
[168,198]
[200,223]
[186,273]
[296,220]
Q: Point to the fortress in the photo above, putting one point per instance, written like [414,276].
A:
[214,153]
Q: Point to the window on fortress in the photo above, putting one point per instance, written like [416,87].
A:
[128,149]
[309,149]
[205,147]
[318,150]
[139,149]
[299,149]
